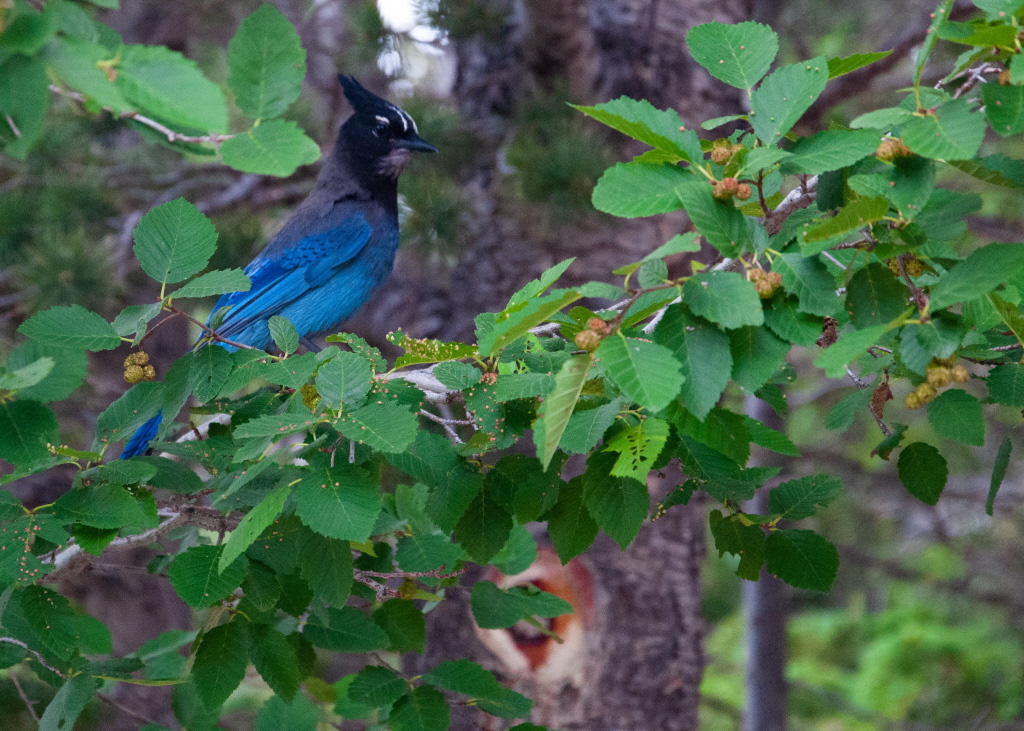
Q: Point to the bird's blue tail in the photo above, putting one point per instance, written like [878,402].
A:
[139,441]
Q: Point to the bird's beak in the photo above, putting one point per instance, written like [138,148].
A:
[417,143]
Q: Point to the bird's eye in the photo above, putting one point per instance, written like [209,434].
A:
[381,128]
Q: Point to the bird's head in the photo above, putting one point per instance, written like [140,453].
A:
[379,132]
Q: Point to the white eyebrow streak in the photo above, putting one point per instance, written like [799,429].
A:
[382,120]
[404,117]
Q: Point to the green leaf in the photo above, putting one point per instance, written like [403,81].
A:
[468,678]
[998,473]
[678,244]
[882,120]
[994,169]
[174,241]
[198,580]
[67,375]
[704,354]
[570,526]
[252,525]
[24,97]
[346,630]
[770,439]
[404,625]
[276,147]
[809,280]
[522,385]
[875,297]
[557,408]
[484,528]
[164,84]
[757,355]
[220,662]
[292,372]
[747,542]
[923,471]
[841,66]
[646,372]
[326,565]
[276,714]
[68,704]
[220,281]
[425,350]
[785,319]
[617,504]
[724,298]
[738,54]
[796,499]
[26,427]
[784,96]
[283,333]
[44,620]
[338,502]
[361,347]
[957,415]
[266,64]
[952,131]
[1004,107]
[386,427]
[835,359]
[495,608]
[419,552]
[209,371]
[100,506]
[516,321]
[27,31]
[975,34]
[1006,385]
[638,447]
[635,189]
[275,660]
[585,428]
[424,709]
[77,63]
[1008,313]
[70,326]
[858,214]
[984,270]
[829,150]
[639,119]
[802,559]
[377,687]
[120,420]
[273,426]
[344,380]
[721,223]
[840,417]
[456,375]
[536,287]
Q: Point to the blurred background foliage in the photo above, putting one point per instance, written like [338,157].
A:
[925,627]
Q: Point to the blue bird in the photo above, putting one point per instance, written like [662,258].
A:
[338,246]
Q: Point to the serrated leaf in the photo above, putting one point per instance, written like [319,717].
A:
[634,189]
[840,417]
[165,84]
[174,241]
[26,427]
[835,358]
[276,147]
[339,502]
[745,541]
[784,96]
[404,625]
[557,408]
[570,525]
[283,333]
[220,662]
[344,380]
[67,375]
[495,608]
[703,352]
[275,660]
[70,326]
[266,64]
[957,415]
[120,420]
[841,66]
[640,120]
[724,298]
[638,447]
[757,355]
[861,212]
[221,281]
[796,499]
[100,506]
[209,371]
[273,426]
[646,372]
[721,223]
[617,504]
[26,376]
[24,98]
[424,709]
[984,270]
[1004,107]
[69,702]
[1006,385]
[386,427]
[468,678]
[377,687]
[484,527]
[198,580]
[522,385]
[456,375]
[276,714]
[802,559]
[952,131]
[678,244]
[769,439]
[252,525]
[923,471]
[425,350]
[77,62]
[875,297]
[809,280]
[738,54]
[326,565]
[829,150]
[998,473]
[585,428]
[345,630]
[519,319]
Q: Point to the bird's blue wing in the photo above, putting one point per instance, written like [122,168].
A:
[285,271]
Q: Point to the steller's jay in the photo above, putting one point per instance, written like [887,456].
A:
[337,247]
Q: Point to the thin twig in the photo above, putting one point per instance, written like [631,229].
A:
[30,705]
[920,298]
[37,656]
[170,134]
[448,424]
[208,330]
[862,385]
